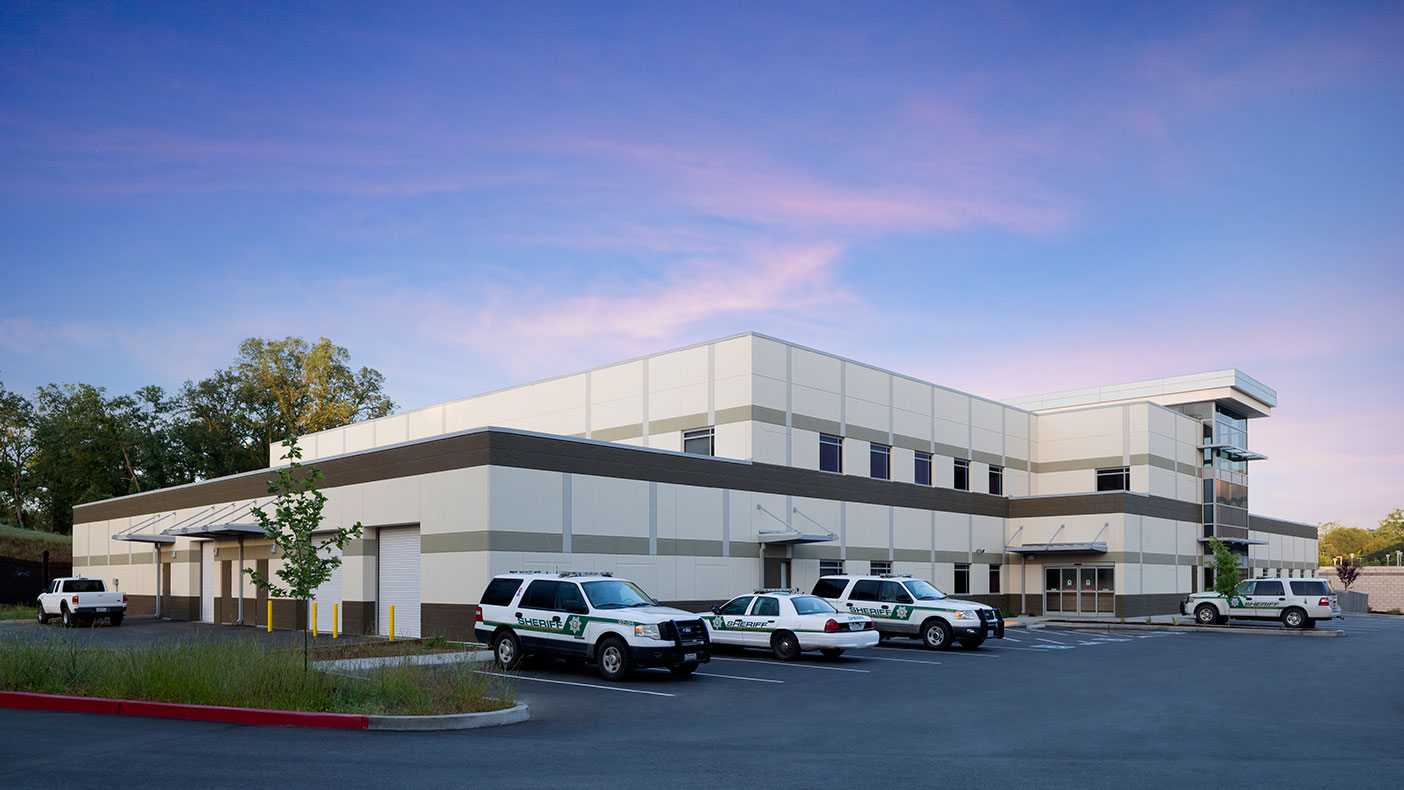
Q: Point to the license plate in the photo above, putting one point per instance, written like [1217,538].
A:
[689,657]
[102,608]
[855,626]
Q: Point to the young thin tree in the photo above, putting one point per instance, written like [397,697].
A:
[1347,570]
[297,513]
[1225,565]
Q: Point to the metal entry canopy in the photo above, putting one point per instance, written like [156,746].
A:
[1086,547]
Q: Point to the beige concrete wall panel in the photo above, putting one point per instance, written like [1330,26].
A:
[954,407]
[943,470]
[665,371]
[391,430]
[903,465]
[733,440]
[1056,451]
[693,398]
[1057,427]
[768,358]
[733,392]
[1016,483]
[911,529]
[952,438]
[821,407]
[857,456]
[1017,424]
[769,444]
[617,382]
[733,357]
[1160,482]
[330,443]
[522,500]
[987,416]
[424,423]
[868,417]
[804,448]
[867,384]
[819,371]
[394,501]
[665,405]
[614,413]
[914,427]
[769,393]
[912,396]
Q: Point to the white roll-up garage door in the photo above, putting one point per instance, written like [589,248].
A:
[328,594]
[397,574]
[207,582]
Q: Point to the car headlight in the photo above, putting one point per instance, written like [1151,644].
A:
[965,615]
[647,631]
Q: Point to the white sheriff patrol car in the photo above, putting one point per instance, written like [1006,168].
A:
[1298,603]
[903,606]
[588,615]
[788,622]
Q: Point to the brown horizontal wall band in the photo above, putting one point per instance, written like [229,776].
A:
[502,448]
[1277,527]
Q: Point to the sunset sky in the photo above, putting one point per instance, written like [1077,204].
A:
[1004,198]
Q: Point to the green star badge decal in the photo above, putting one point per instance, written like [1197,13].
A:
[900,613]
[574,625]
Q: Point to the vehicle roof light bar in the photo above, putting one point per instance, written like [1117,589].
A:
[569,574]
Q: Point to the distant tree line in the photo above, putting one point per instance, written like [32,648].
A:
[74,443]
[1367,546]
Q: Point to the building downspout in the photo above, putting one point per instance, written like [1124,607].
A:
[156,547]
[240,620]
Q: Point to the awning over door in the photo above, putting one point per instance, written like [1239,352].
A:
[1087,547]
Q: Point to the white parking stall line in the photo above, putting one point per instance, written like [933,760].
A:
[903,660]
[946,654]
[1054,641]
[1001,647]
[737,677]
[1012,639]
[572,683]
[796,666]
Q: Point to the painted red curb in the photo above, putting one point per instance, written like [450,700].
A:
[21,700]
[24,700]
[266,718]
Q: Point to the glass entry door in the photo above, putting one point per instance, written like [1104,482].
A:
[1078,591]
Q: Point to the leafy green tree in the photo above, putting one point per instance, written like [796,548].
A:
[297,513]
[1336,540]
[16,451]
[1391,529]
[216,428]
[298,388]
[79,455]
[1225,565]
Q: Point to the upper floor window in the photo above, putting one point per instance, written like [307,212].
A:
[700,442]
[881,462]
[830,453]
[922,477]
[1118,479]
[962,474]
[996,480]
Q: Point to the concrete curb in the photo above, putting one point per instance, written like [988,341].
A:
[459,721]
[23,700]
[1197,629]
[427,659]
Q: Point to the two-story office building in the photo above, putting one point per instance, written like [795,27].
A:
[705,471]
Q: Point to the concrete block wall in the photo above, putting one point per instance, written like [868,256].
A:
[1384,585]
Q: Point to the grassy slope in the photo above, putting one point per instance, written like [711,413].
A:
[29,544]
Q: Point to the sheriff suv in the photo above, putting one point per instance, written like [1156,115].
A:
[1298,603]
[788,622]
[588,615]
[903,606]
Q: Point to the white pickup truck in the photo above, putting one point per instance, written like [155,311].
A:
[75,599]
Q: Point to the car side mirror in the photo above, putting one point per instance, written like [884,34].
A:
[577,608]
[716,609]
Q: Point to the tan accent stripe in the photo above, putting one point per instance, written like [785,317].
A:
[617,433]
[365,547]
[986,458]
[866,434]
[685,423]
[816,424]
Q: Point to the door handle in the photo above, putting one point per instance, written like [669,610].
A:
[517,614]
[556,619]
[1281,599]
[884,606]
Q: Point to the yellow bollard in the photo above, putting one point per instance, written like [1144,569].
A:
[392,622]
[270,615]
[336,620]
[314,618]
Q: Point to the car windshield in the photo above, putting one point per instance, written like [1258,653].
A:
[616,594]
[808,604]
[923,591]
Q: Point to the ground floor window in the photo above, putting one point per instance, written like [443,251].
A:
[1079,590]
[994,579]
[962,578]
[830,567]
[879,567]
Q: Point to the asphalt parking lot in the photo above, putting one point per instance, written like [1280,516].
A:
[1053,708]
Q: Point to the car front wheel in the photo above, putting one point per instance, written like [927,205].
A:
[615,661]
[1294,618]
[1206,614]
[935,634]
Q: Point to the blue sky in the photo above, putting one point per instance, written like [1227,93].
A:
[1005,198]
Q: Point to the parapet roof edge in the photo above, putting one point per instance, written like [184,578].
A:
[1233,373]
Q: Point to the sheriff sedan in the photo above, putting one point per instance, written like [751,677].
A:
[788,622]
